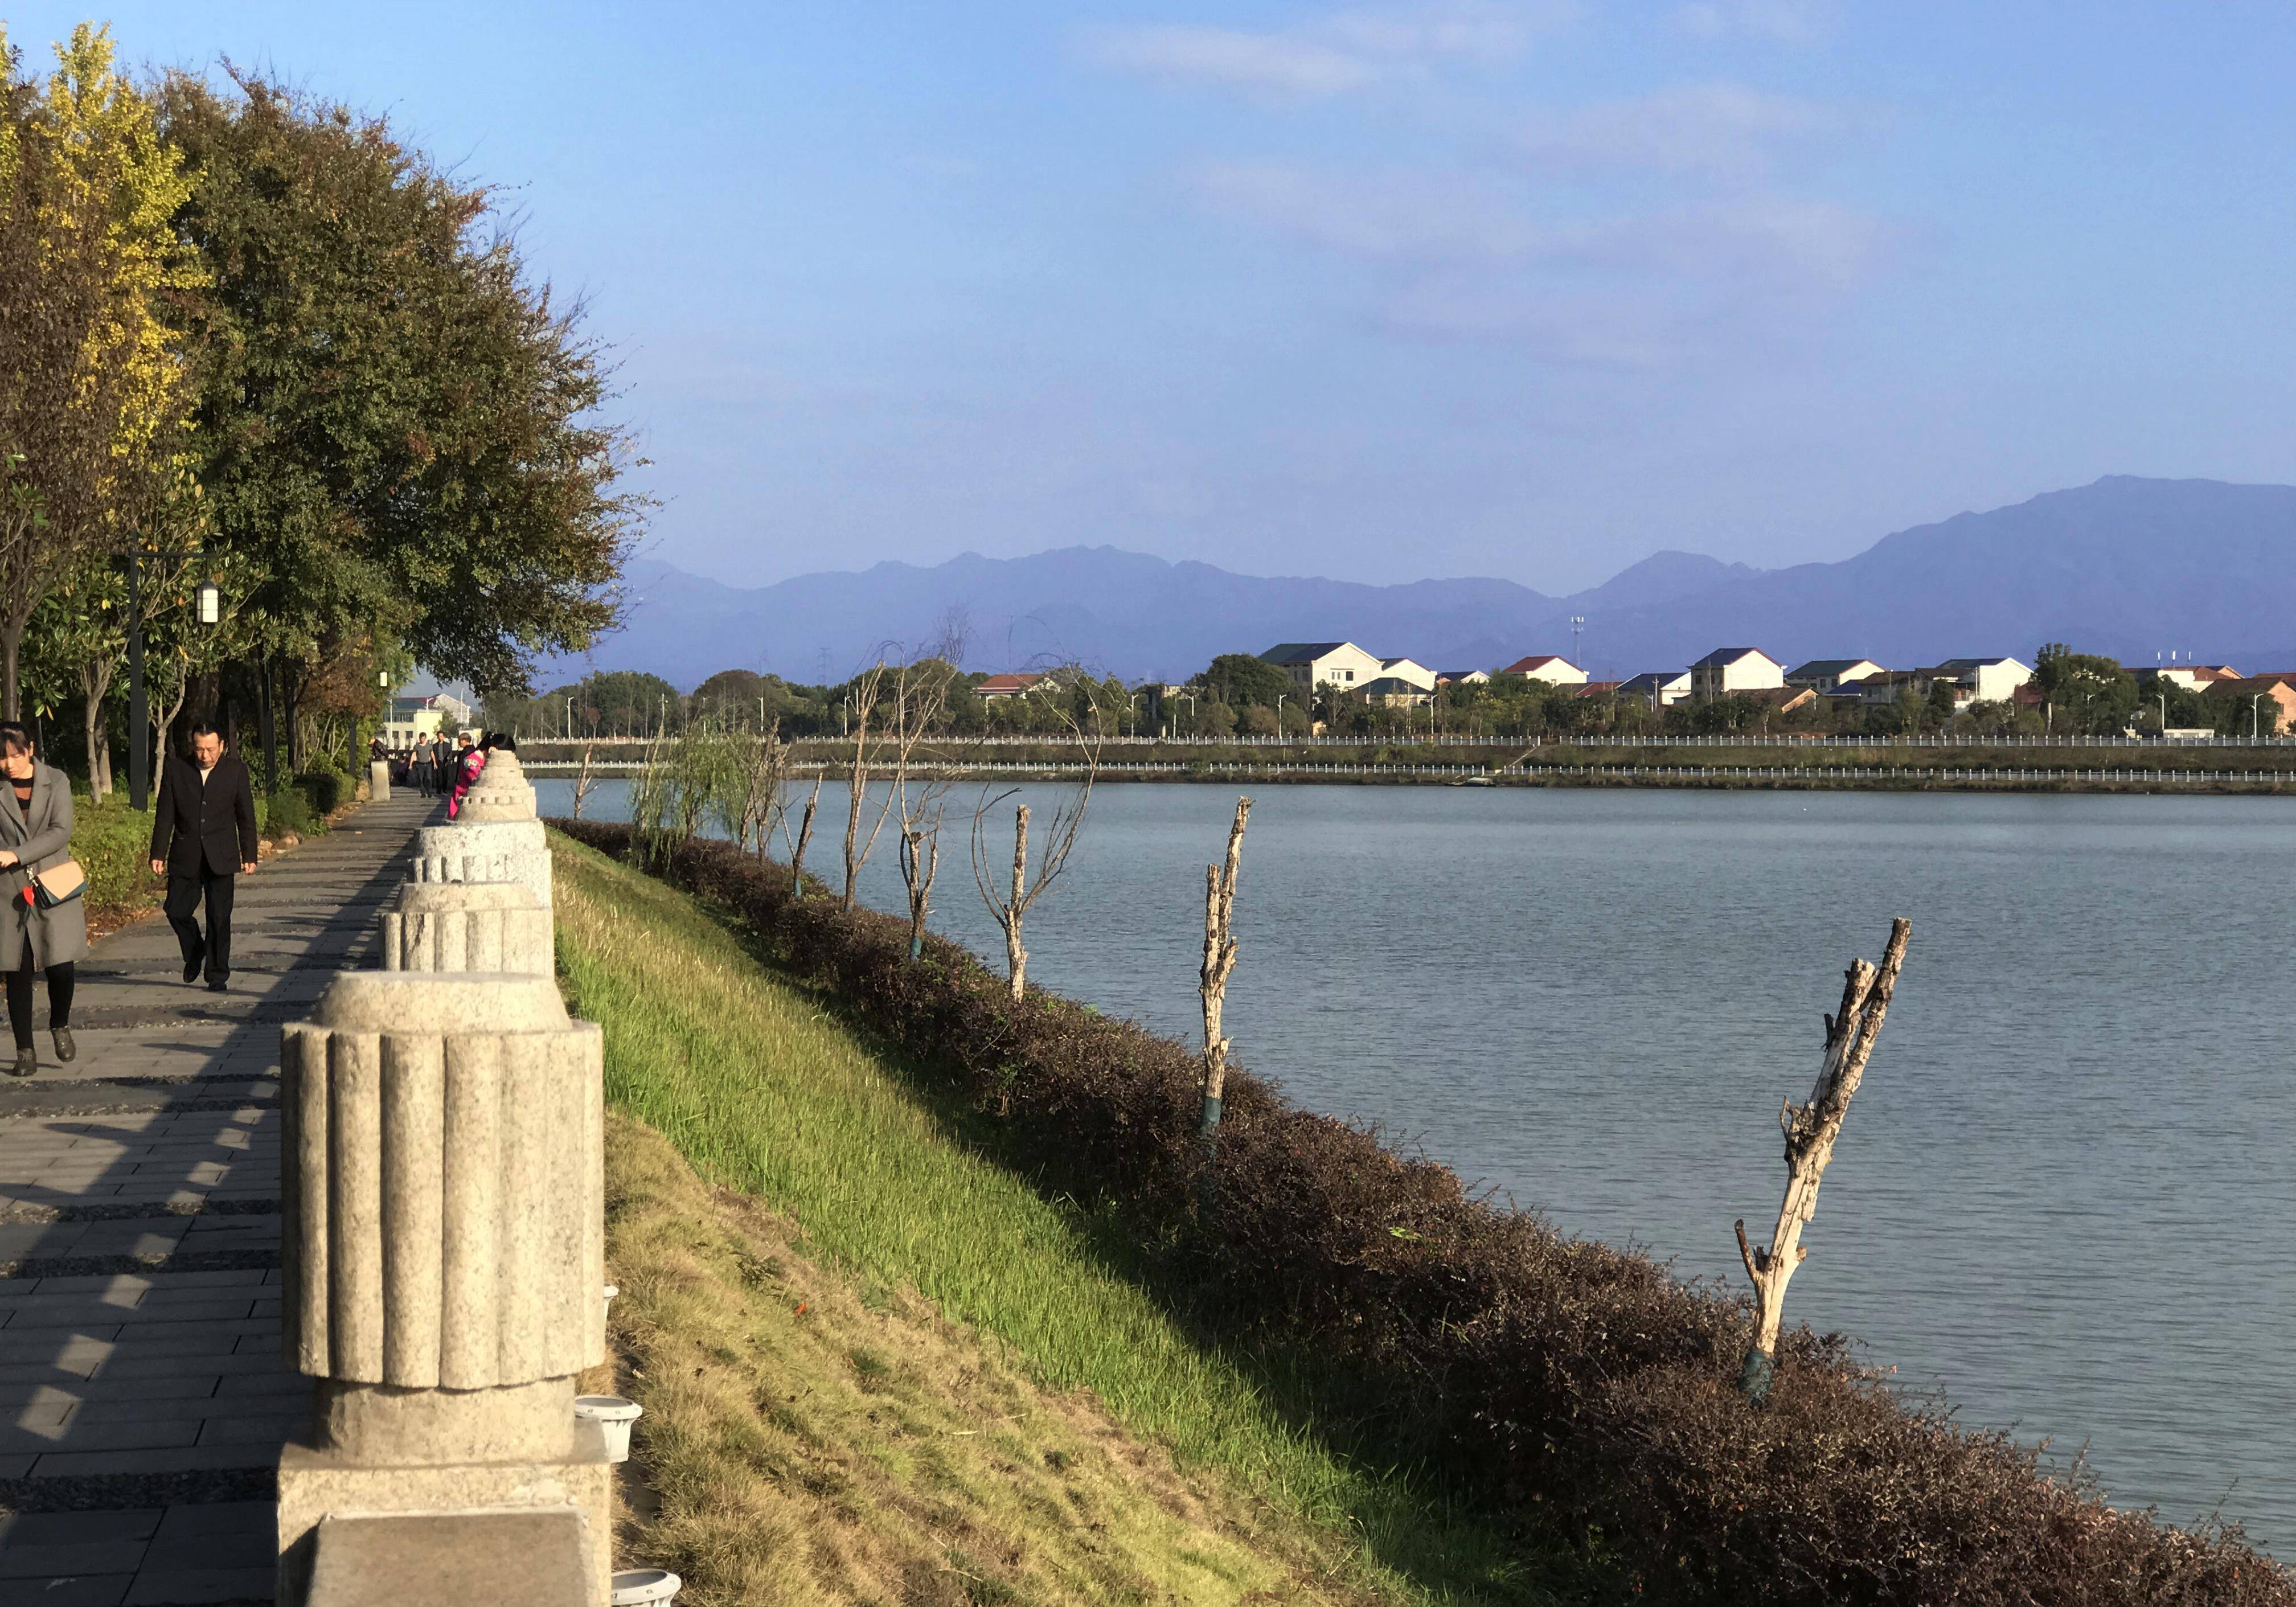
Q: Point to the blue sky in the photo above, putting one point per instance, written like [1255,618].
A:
[1527,288]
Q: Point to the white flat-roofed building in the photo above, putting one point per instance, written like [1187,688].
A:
[1984,680]
[1657,687]
[1728,669]
[1312,664]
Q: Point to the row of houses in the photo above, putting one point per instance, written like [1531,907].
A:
[1403,682]
[1726,672]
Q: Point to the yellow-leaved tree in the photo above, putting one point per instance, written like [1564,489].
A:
[94,388]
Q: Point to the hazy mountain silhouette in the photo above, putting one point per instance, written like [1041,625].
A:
[2126,566]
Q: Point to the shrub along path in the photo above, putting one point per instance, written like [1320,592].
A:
[143,1396]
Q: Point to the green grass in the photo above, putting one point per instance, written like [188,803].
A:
[763,1087]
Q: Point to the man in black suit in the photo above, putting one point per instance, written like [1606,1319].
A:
[202,836]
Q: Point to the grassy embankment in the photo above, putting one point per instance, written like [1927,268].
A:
[913,1424]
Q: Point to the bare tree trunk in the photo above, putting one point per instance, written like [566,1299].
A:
[95,685]
[11,650]
[804,836]
[585,783]
[1016,958]
[1220,964]
[1810,1131]
[160,730]
[921,856]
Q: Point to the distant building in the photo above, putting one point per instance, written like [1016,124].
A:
[1312,664]
[1982,680]
[1461,677]
[2191,677]
[1829,675]
[2278,689]
[437,715]
[1657,687]
[1732,669]
[1408,669]
[1599,689]
[1012,685]
[1393,691]
[1553,669]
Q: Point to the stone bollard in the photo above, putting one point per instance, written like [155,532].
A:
[497,837]
[478,926]
[500,793]
[442,1238]
[378,781]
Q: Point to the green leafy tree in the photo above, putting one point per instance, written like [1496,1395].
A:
[395,423]
[1242,680]
[2092,695]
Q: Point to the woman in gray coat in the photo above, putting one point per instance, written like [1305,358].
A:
[36,826]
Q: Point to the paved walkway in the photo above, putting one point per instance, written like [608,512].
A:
[143,1400]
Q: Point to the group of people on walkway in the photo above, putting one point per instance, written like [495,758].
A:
[435,767]
[203,839]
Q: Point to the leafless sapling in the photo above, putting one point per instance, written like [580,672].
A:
[1810,1131]
[1009,902]
[1220,964]
[804,836]
[585,781]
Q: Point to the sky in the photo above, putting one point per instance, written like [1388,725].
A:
[1382,291]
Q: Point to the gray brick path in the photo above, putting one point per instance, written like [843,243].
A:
[143,1400]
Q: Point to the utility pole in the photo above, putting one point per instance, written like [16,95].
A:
[1577,625]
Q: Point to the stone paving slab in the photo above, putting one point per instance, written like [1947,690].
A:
[139,1187]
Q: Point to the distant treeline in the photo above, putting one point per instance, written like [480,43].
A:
[1241,695]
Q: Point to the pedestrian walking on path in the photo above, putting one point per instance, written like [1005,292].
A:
[203,838]
[44,926]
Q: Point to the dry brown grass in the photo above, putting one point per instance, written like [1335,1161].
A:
[808,1441]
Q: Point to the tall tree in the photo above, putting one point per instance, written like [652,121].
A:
[396,421]
[93,382]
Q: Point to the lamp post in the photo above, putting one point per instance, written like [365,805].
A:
[208,610]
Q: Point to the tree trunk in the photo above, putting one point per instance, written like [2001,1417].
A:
[1810,1131]
[12,648]
[1016,958]
[804,836]
[1220,964]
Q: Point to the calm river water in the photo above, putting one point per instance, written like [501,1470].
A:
[2066,1194]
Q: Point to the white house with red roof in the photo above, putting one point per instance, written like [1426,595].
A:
[1553,669]
[1010,686]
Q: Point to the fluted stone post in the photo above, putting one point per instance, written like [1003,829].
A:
[497,837]
[481,926]
[444,1245]
[378,781]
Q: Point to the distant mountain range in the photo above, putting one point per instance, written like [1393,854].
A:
[2125,567]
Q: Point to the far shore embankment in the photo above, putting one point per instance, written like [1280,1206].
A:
[2014,765]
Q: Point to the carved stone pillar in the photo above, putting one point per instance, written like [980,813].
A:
[496,838]
[444,1246]
[482,926]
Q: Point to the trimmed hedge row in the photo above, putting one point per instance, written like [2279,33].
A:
[1563,1379]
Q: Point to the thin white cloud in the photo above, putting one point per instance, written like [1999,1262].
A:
[1231,60]
[1790,22]
[1465,256]
[1339,54]
[1719,130]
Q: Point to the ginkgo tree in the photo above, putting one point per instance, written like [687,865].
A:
[94,383]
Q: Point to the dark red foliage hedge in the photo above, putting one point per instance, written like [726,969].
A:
[1557,1377]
